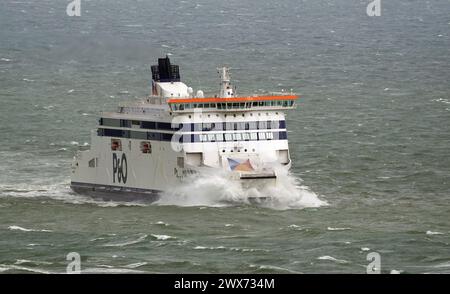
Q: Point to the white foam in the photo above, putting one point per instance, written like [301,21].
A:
[295,227]
[272,267]
[395,272]
[17,228]
[207,191]
[338,229]
[4,269]
[331,258]
[248,249]
[5,59]
[365,249]
[110,271]
[23,268]
[434,233]
[135,265]
[22,261]
[59,191]
[216,190]
[162,237]
[442,265]
[128,242]
[209,248]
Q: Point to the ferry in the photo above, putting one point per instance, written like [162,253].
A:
[172,136]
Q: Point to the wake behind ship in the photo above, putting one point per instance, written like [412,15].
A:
[166,139]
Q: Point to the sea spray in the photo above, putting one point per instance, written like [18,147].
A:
[218,189]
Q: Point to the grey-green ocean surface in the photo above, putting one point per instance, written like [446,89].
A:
[370,137]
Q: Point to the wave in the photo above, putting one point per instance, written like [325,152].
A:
[162,237]
[136,265]
[33,262]
[209,248]
[217,190]
[331,258]
[59,191]
[210,190]
[95,270]
[271,268]
[127,242]
[4,268]
[238,249]
[161,223]
[17,228]
[337,229]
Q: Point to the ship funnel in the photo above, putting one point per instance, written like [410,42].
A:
[165,72]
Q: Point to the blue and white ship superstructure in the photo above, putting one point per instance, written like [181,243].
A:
[163,140]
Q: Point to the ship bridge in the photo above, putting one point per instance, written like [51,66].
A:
[273,102]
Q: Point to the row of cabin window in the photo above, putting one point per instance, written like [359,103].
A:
[134,134]
[189,138]
[233,105]
[232,137]
[236,137]
[238,126]
[125,123]
[195,127]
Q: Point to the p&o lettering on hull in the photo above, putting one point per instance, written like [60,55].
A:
[120,168]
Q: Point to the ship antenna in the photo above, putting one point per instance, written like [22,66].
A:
[226,89]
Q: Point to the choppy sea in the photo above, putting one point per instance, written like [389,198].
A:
[370,139]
